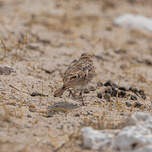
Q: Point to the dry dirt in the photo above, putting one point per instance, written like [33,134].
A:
[39,39]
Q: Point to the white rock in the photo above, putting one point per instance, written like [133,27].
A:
[139,117]
[134,21]
[94,139]
[145,149]
[137,137]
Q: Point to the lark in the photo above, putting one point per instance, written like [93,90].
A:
[78,74]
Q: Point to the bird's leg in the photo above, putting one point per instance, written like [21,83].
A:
[81,95]
[71,93]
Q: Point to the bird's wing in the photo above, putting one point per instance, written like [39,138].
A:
[70,68]
[74,77]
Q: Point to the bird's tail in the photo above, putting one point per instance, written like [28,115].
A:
[59,92]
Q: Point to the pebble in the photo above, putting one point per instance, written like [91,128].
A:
[110,83]
[29,116]
[5,70]
[132,97]
[86,91]
[128,103]
[92,88]
[122,88]
[114,92]
[77,115]
[99,84]
[121,94]
[108,91]
[99,95]
[142,94]
[134,90]
[107,97]
[138,92]
[137,105]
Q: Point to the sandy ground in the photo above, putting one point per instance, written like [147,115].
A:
[39,39]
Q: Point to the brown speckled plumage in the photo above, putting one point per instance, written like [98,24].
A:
[78,74]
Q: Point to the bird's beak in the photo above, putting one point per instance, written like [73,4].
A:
[92,53]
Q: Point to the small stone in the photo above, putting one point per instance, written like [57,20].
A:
[114,92]
[148,62]
[99,95]
[50,114]
[29,116]
[33,94]
[86,91]
[128,103]
[138,92]
[108,91]
[33,46]
[122,113]
[109,28]
[121,94]
[110,83]
[32,109]
[137,105]
[134,90]
[77,115]
[122,88]
[92,88]
[133,97]
[142,94]
[99,84]
[107,97]
[5,70]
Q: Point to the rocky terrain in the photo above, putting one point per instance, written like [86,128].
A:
[38,40]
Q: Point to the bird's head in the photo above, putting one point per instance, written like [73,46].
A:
[85,56]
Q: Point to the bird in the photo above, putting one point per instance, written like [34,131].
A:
[78,75]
